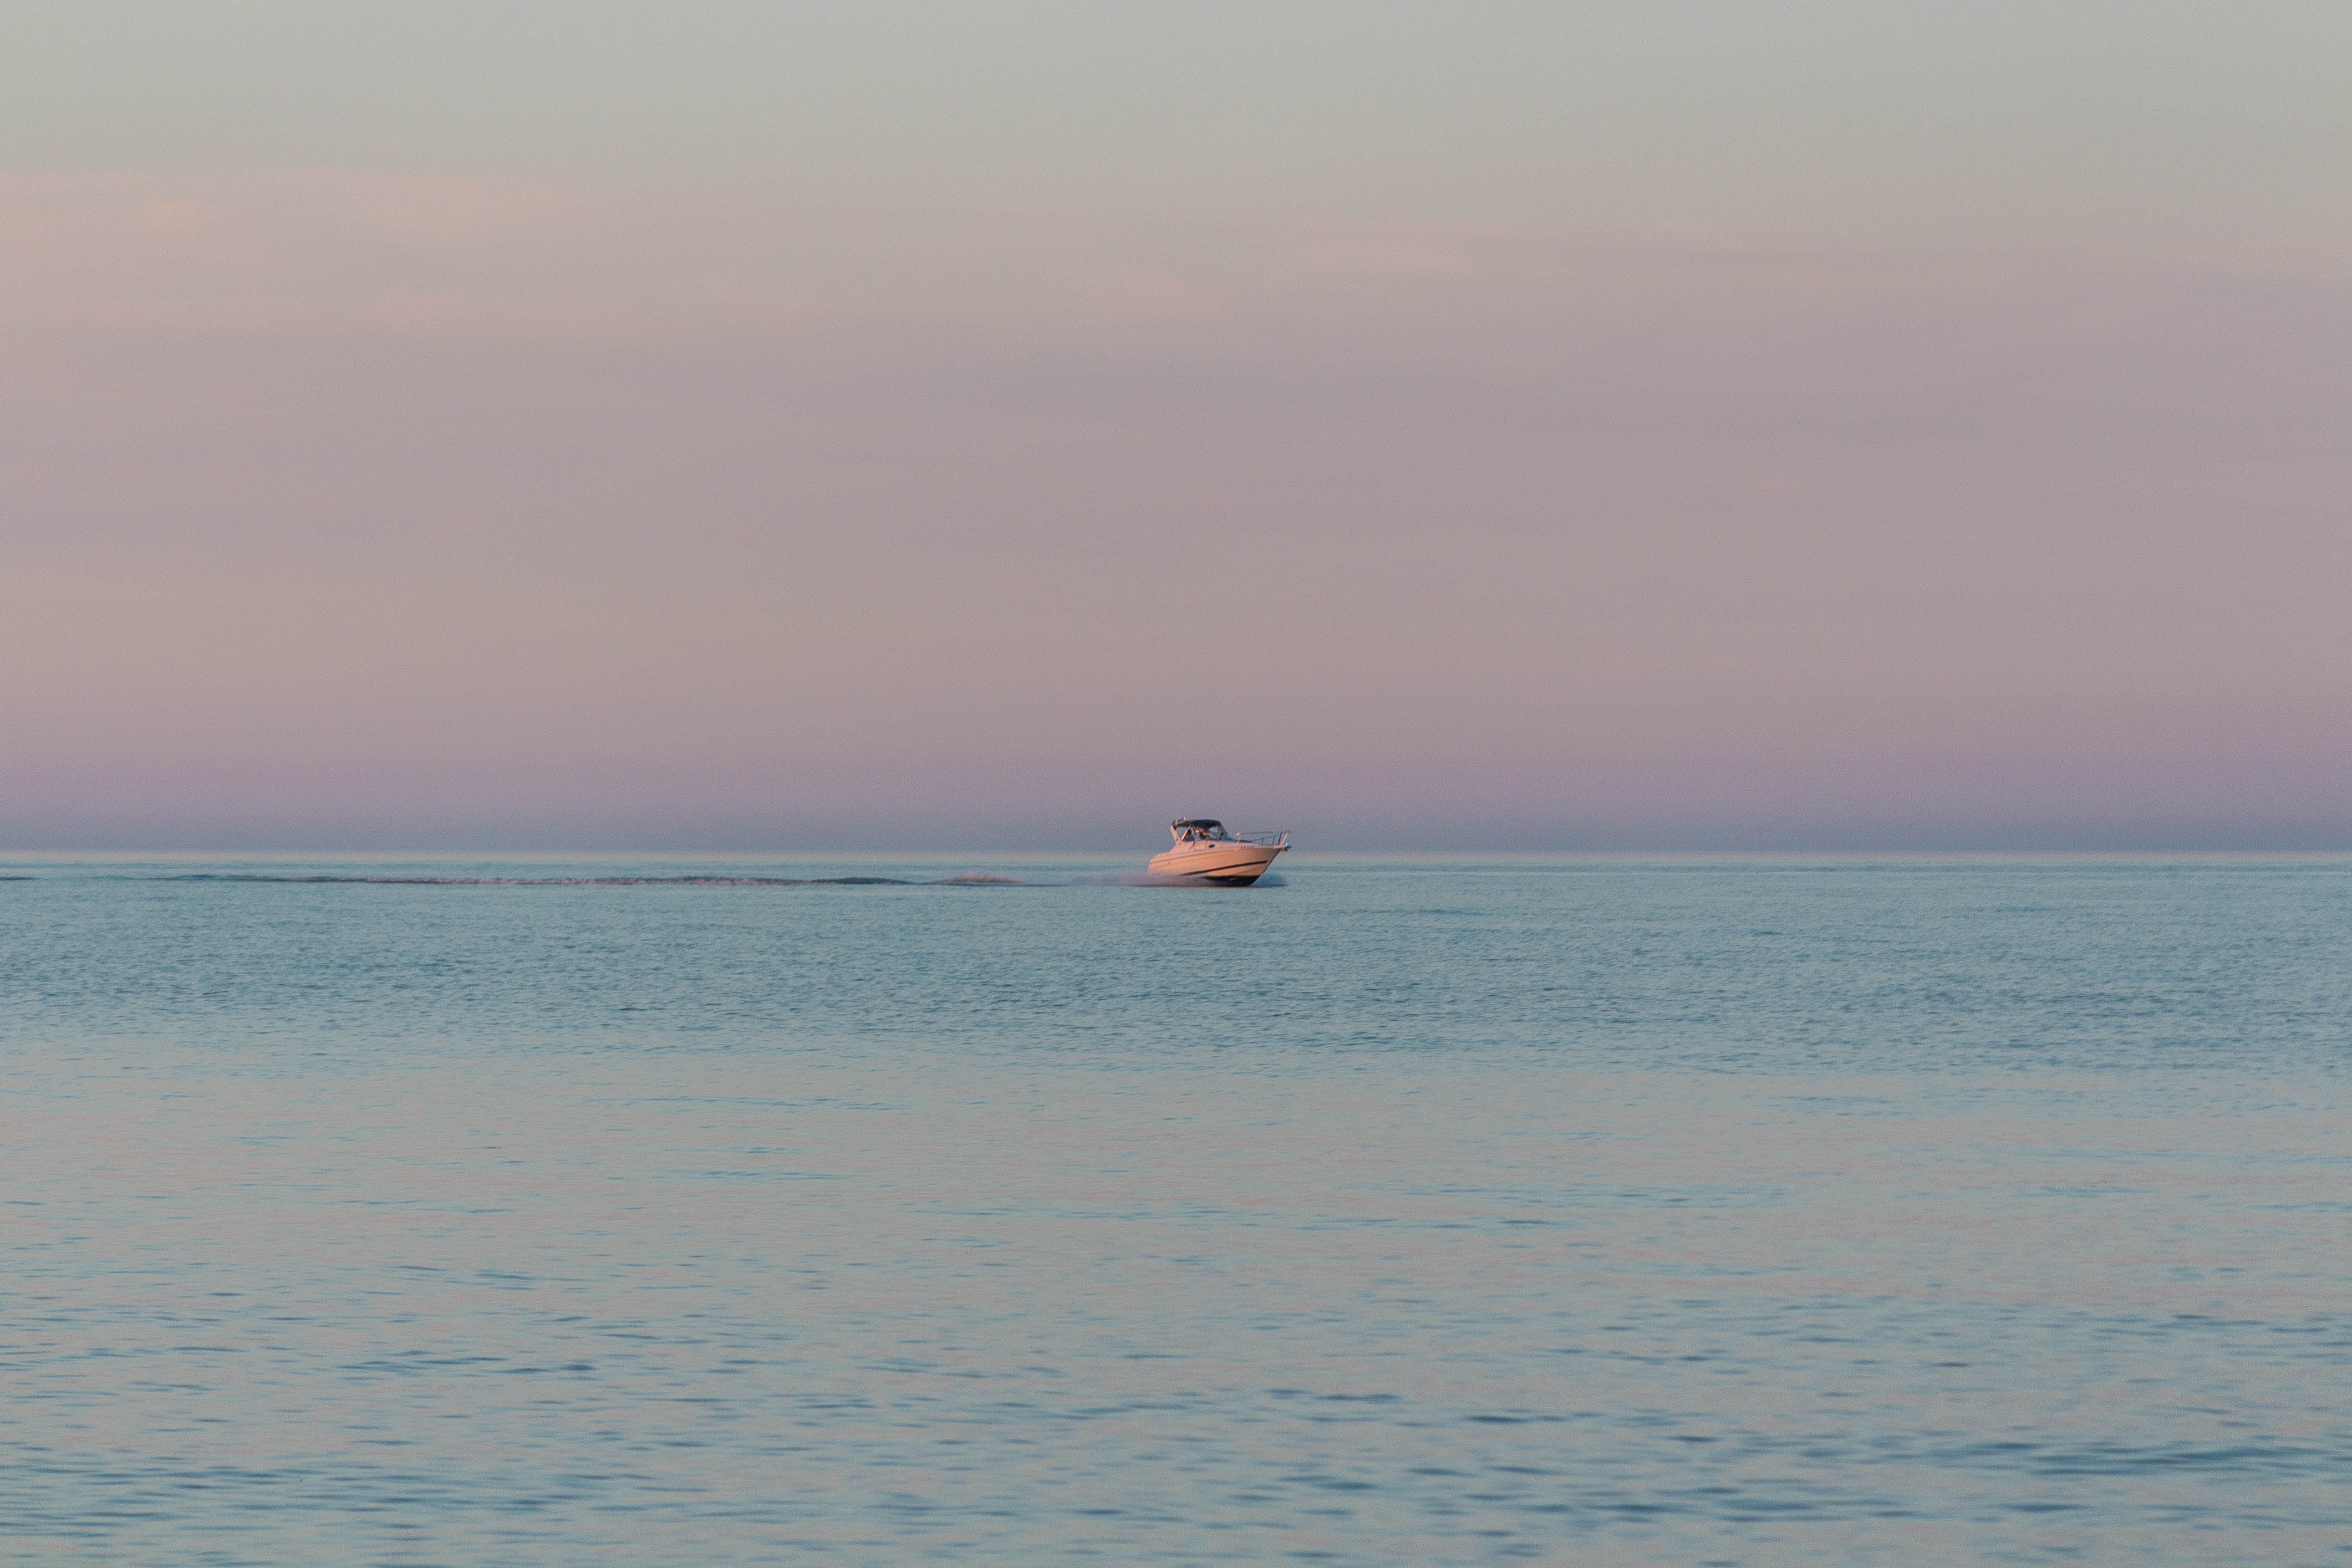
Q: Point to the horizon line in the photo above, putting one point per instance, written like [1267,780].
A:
[1126,852]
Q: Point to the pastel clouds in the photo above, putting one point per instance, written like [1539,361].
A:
[322,250]
[294,251]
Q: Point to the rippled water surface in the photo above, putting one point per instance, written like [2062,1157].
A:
[1596,1212]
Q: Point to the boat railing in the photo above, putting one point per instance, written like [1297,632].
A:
[1266,841]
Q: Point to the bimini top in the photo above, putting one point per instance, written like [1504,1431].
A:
[1205,824]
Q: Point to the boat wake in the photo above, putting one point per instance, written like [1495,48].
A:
[963,881]
[966,880]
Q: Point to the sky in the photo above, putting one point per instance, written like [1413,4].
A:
[752,427]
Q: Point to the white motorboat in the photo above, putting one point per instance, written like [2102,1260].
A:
[1205,852]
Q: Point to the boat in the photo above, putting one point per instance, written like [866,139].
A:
[1205,853]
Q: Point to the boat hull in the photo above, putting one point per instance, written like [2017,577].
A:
[1217,865]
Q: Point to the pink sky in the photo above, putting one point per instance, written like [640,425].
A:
[453,493]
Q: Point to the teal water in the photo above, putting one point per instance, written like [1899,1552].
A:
[1851,1212]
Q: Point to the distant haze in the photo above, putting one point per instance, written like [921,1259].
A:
[898,426]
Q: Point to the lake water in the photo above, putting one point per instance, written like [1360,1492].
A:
[1427,1212]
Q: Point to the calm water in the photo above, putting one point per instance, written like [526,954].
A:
[1801,1213]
